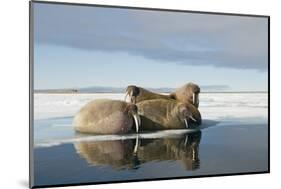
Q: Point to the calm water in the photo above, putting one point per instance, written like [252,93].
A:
[63,157]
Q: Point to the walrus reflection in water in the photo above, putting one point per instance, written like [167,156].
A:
[188,93]
[131,153]
[116,153]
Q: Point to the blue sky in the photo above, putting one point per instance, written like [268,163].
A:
[77,46]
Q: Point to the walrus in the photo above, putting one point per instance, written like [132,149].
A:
[159,114]
[188,93]
[107,117]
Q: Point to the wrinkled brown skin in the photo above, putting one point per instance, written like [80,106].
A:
[183,94]
[119,154]
[105,117]
[160,114]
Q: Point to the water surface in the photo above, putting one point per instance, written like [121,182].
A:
[232,139]
[64,157]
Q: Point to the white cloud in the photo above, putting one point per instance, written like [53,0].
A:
[182,38]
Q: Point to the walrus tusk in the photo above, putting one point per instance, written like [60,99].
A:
[185,140]
[186,123]
[131,96]
[136,145]
[193,98]
[126,95]
[192,118]
[137,119]
[193,154]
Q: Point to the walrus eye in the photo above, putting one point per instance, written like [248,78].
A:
[184,112]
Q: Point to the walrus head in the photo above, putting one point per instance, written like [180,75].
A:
[189,93]
[185,115]
[132,92]
[195,90]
